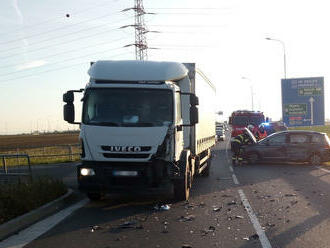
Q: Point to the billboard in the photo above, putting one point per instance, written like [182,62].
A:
[303,101]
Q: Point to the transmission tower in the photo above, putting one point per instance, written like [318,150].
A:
[140,31]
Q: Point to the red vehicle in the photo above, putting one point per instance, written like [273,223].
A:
[242,118]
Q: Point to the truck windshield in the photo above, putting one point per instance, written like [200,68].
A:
[246,120]
[128,107]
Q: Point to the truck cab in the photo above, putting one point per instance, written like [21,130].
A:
[138,129]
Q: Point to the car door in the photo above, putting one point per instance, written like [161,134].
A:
[273,147]
[298,146]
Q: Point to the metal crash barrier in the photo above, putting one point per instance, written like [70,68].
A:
[14,173]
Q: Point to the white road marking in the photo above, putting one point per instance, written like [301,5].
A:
[227,156]
[235,179]
[323,169]
[34,231]
[231,168]
[262,236]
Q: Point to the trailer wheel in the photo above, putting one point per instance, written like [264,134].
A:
[182,185]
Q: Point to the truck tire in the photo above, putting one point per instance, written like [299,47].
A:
[94,196]
[182,185]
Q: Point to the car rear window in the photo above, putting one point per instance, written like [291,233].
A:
[298,138]
[317,139]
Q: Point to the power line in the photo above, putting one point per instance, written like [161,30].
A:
[65,52]
[61,36]
[63,61]
[57,69]
[56,29]
[55,18]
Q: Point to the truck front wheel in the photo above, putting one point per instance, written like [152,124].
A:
[182,185]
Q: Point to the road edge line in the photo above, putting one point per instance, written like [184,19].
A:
[262,236]
[31,233]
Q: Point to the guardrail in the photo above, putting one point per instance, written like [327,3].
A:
[14,173]
[44,154]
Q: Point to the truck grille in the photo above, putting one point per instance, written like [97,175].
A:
[125,155]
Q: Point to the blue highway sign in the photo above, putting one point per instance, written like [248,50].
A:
[303,101]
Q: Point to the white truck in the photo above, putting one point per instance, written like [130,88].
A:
[141,129]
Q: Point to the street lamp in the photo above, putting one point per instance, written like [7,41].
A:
[251,90]
[283,45]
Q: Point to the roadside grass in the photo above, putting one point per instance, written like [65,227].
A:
[323,129]
[21,197]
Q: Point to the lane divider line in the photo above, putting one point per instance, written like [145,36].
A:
[323,169]
[235,179]
[262,236]
[231,168]
[31,233]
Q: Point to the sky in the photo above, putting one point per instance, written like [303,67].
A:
[46,48]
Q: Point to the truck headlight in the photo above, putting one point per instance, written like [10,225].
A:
[87,172]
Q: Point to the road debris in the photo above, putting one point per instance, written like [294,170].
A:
[95,228]
[130,224]
[231,203]
[246,238]
[294,203]
[254,237]
[225,195]
[239,217]
[216,209]
[164,207]
[190,217]
[290,195]
[207,231]
[186,246]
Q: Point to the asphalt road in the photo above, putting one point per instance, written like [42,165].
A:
[262,205]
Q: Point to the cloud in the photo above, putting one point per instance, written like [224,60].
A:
[31,64]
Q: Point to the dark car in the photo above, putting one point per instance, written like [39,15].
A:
[290,146]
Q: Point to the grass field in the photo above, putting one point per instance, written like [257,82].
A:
[42,148]
[323,129]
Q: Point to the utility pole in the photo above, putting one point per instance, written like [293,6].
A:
[140,31]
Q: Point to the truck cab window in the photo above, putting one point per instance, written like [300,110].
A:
[128,107]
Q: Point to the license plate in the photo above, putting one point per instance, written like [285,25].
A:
[125,173]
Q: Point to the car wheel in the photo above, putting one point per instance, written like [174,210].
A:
[315,159]
[252,158]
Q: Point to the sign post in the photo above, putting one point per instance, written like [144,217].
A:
[303,101]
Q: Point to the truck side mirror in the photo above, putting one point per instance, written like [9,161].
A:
[193,115]
[68,111]
[68,97]
[230,120]
[194,100]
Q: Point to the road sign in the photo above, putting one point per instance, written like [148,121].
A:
[303,101]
